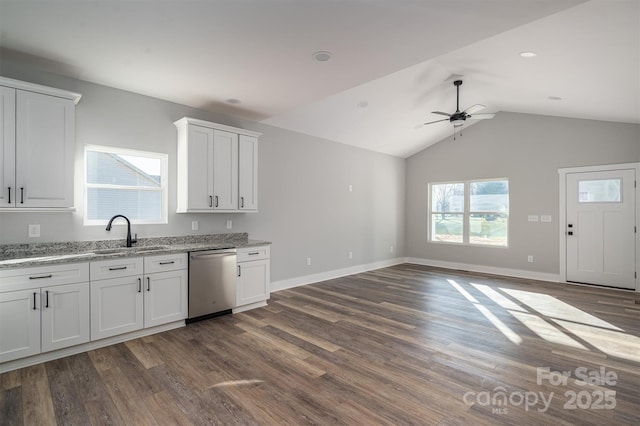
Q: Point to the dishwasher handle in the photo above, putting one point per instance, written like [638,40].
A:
[212,255]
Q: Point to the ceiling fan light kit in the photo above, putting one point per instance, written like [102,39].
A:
[458,118]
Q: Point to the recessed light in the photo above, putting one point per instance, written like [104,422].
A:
[528,54]
[234,101]
[322,56]
[554,98]
[363,104]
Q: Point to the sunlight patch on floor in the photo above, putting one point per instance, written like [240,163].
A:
[551,307]
[497,323]
[502,301]
[611,342]
[545,330]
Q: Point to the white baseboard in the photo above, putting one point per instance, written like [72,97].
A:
[518,273]
[336,273]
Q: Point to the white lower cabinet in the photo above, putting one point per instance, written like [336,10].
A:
[116,306]
[19,325]
[165,295]
[65,315]
[129,303]
[46,317]
[253,283]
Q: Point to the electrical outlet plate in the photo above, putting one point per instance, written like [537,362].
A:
[229,224]
[34,231]
[194,225]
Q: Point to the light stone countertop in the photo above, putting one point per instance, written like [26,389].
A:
[31,255]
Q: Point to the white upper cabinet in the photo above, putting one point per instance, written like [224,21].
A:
[37,146]
[225,170]
[248,173]
[217,167]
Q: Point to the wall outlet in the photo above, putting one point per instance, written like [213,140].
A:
[530,259]
[34,231]
[350,255]
[194,225]
[390,249]
[350,188]
[308,261]
[229,224]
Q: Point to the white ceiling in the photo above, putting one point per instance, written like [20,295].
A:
[396,56]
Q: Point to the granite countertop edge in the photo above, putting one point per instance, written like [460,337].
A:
[84,251]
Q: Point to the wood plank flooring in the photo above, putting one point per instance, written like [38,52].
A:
[401,345]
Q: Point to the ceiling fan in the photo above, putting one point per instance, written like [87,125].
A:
[459,117]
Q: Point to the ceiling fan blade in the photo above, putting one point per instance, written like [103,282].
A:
[481,116]
[441,113]
[474,108]
[437,121]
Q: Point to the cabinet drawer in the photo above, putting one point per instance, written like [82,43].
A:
[121,267]
[165,262]
[253,253]
[43,276]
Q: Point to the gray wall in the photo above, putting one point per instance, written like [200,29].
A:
[305,207]
[528,150]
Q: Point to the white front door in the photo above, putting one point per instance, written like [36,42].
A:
[600,228]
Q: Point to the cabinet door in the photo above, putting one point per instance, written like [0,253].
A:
[116,306]
[248,173]
[225,170]
[7,146]
[65,315]
[199,168]
[165,297]
[45,150]
[19,324]
[253,282]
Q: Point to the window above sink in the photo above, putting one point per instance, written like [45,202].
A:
[123,181]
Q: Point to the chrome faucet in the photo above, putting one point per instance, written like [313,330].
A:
[129,240]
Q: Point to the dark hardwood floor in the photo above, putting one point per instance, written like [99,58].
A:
[401,345]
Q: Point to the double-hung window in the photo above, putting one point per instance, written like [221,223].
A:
[123,181]
[470,212]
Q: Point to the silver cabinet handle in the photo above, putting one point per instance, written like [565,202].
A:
[9,195]
[148,283]
[120,268]
[239,271]
[210,201]
[216,197]
[139,285]
[242,202]
[21,195]
[46,299]
[167,263]
[34,300]
[253,253]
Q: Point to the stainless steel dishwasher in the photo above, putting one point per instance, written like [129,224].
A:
[212,283]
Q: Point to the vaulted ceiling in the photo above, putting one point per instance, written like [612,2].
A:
[391,62]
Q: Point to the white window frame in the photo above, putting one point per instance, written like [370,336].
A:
[466,214]
[164,174]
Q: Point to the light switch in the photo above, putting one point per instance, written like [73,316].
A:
[545,218]
[533,218]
